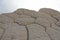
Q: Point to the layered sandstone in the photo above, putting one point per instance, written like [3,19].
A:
[24,24]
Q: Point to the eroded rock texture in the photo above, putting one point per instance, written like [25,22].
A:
[24,24]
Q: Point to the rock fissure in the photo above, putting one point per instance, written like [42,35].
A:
[26,30]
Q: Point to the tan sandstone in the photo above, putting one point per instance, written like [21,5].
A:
[24,24]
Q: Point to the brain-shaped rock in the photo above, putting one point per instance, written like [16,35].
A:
[24,24]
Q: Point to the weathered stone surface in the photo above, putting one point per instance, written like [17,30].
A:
[25,21]
[12,15]
[1,32]
[5,19]
[37,32]
[48,17]
[43,21]
[19,11]
[55,14]
[4,26]
[24,24]
[54,34]
[15,32]
[54,26]
[58,23]
[30,13]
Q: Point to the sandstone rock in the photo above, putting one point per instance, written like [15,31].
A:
[24,24]
[12,15]
[30,13]
[47,17]
[55,14]
[15,32]
[43,21]
[58,23]
[37,32]
[25,21]
[54,26]
[5,19]
[54,34]
[19,11]
[1,32]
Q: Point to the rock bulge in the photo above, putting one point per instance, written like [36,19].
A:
[24,24]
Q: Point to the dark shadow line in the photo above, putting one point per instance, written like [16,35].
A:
[27,32]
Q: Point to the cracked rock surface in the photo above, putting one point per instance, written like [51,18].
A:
[24,24]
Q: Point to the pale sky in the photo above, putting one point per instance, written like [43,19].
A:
[11,5]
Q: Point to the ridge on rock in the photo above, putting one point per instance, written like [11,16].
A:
[51,12]
[24,24]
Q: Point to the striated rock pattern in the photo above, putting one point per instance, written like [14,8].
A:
[24,24]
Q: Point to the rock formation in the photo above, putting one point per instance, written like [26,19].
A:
[24,24]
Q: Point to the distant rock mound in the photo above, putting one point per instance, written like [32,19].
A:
[24,24]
